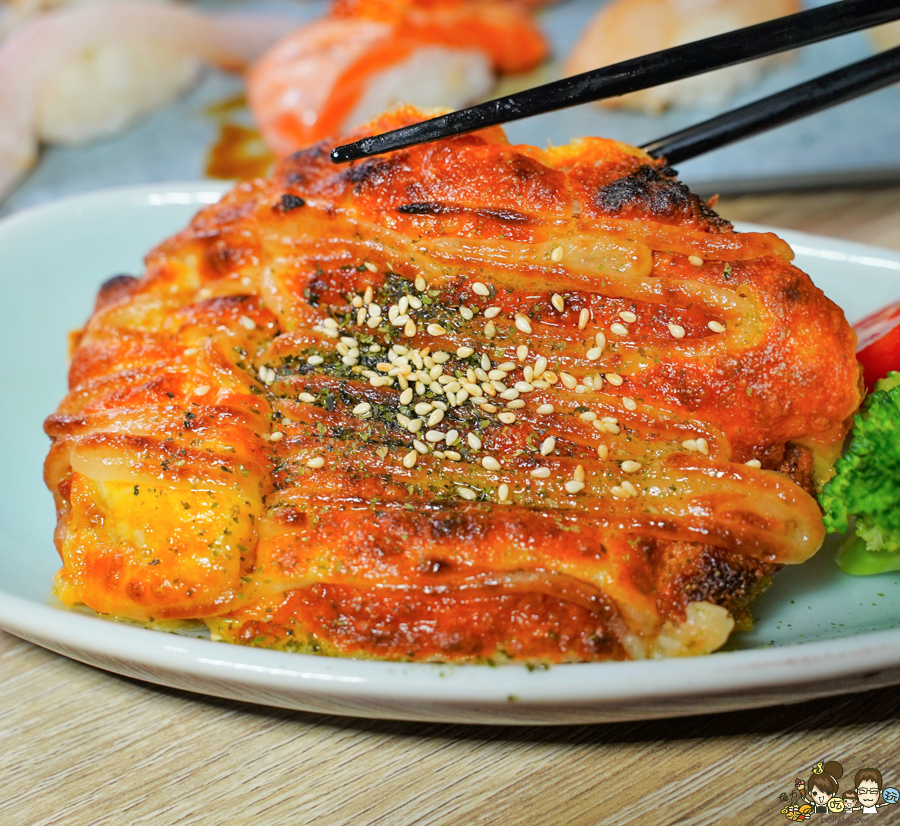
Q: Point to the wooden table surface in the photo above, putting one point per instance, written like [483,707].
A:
[79,746]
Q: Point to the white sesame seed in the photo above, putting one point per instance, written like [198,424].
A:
[492,312]
[362,409]
[582,388]
[410,459]
[627,316]
[523,386]
[557,255]
[490,330]
[423,408]
[309,398]
[367,296]
[528,373]
[467,493]
[507,417]
[618,492]
[415,426]
[397,319]
[452,455]
[618,329]
[249,323]
[409,329]
[548,446]
[574,487]
[753,463]
[357,301]
[434,436]
[328,322]
[632,490]
[503,492]
[490,463]
[583,317]
[440,357]
[361,316]
[403,304]
[379,381]
[489,408]
[496,375]
[629,466]
[435,418]
[372,323]
[703,446]
[587,416]
[676,330]
[349,360]
[516,404]
[603,452]
[522,323]
[406,396]
[316,462]
[594,353]
[550,377]
[464,352]
[507,366]
[191,351]
[612,428]
[451,437]
[628,403]
[439,454]
[716,326]
[466,313]
[370,266]
[695,260]
[522,352]
[689,444]
[509,394]
[415,302]
[540,472]
[614,379]
[436,330]
[540,366]
[579,473]
[202,391]
[474,441]
[558,302]
[601,340]
[480,289]
[421,447]
[568,381]
[420,284]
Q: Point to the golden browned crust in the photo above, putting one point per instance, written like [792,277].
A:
[239,443]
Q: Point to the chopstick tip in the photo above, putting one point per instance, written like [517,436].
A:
[346,153]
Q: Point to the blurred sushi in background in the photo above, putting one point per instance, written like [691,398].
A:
[367,56]
[70,73]
[624,29]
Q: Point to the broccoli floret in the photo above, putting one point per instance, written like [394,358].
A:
[867,485]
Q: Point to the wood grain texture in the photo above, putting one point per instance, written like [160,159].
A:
[82,747]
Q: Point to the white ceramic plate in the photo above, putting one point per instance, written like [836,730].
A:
[818,632]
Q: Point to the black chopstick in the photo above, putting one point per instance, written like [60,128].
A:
[836,87]
[696,58]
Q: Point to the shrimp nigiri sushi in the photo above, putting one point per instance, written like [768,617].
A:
[369,55]
[630,28]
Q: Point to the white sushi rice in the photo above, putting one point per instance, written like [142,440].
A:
[431,76]
[109,85]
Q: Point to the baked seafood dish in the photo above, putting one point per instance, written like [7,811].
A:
[465,402]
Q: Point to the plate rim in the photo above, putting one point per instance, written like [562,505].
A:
[597,684]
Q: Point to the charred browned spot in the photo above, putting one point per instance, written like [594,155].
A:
[689,572]
[436,566]
[223,256]
[797,463]
[372,173]
[293,517]
[649,192]
[289,202]
[115,289]
[445,524]
[437,208]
